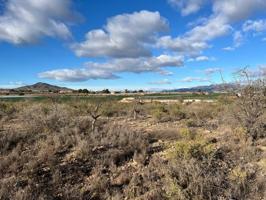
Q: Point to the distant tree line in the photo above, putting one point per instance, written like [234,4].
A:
[106,91]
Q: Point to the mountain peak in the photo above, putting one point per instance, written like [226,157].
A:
[40,86]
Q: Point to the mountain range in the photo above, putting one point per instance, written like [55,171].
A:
[225,87]
[43,87]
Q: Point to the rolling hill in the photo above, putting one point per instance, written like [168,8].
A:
[40,87]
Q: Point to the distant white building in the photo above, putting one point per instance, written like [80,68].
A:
[65,91]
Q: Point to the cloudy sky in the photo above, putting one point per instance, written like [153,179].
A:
[140,44]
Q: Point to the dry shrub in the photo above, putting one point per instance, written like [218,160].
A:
[176,112]
[39,118]
[50,152]
[250,108]
[198,169]
[7,111]
[203,115]
[159,112]
[108,109]
[53,161]
[162,112]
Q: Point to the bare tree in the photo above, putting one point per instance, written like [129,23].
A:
[95,113]
[137,107]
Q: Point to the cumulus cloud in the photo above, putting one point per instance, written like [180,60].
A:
[219,23]
[195,79]
[127,41]
[161,82]
[109,70]
[77,75]
[237,10]
[254,26]
[126,35]
[187,7]
[196,40]
[28,20]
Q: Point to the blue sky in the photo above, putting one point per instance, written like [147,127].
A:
[140,44]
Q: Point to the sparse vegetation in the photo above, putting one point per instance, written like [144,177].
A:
[84,149]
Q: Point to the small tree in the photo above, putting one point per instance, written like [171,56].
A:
[85,91]
[106,91]
[137,107]
[95,113]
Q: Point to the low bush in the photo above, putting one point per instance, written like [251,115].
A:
[48,150]
[199,171]
[162,112]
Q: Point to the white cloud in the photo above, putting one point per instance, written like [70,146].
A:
[229,48]
[187,7]
[200,59]
[161,82]
[213,70]
[196,40]
[126,35]
[127,41]
[166,73]
[108,70]
[238,39]
[254,26]
[219,23]
[77,75]
[28,20]
[181,45]
[194,79]
[237,10]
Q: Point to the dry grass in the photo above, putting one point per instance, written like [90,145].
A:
[48,150]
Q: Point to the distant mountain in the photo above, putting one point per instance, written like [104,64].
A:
[208,88]
[41,87]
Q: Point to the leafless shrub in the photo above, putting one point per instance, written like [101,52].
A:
[250,107]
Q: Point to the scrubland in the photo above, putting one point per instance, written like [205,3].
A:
[111,150]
